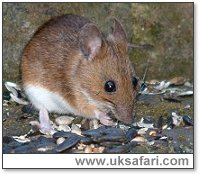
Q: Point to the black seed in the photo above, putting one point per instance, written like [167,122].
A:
[86,140]
[112,131]
[188,120]
[68,143]
[63,134]
[25,149]
[110,138]
[43,140]
[94,132]
[131,133]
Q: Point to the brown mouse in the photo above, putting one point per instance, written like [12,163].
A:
[69,66]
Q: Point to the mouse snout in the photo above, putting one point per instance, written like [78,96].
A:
[125,114]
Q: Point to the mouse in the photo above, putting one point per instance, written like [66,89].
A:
[70,66]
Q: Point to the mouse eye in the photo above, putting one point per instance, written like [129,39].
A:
[110,86]
[134,81]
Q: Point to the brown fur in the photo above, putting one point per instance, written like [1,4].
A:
[53,59]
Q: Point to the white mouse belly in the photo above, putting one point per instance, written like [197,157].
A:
[43,98]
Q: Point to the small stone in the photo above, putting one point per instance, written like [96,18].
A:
[81,146]
[153,133]
[64,120]
[142,131]
[138,139]
[165,126]
[60,140]
[65,128]
[177,81]
[188,84]
[187,106]
[75,129]
[154,82]
[88,149]
[98,149]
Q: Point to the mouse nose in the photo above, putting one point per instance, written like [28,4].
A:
[127,120]
[125,114]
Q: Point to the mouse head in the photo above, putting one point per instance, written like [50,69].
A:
[105,72]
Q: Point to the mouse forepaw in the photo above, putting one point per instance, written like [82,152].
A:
[105,119]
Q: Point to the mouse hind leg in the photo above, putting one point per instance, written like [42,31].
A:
[42,101]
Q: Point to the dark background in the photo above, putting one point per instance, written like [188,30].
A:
[166,26]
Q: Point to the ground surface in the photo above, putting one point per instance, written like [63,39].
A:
[163,137]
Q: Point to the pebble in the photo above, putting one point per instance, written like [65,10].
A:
[65,128]
[153,133]
[142,131]
[75,129]
[164,126]
[64,120]
[60,140]
[138,139]
[88,149]
[177,81]
[177,119]
[188,84]
[187,106]
[154,82]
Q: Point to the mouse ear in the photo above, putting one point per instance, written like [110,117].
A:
[120,35]
[90,40]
